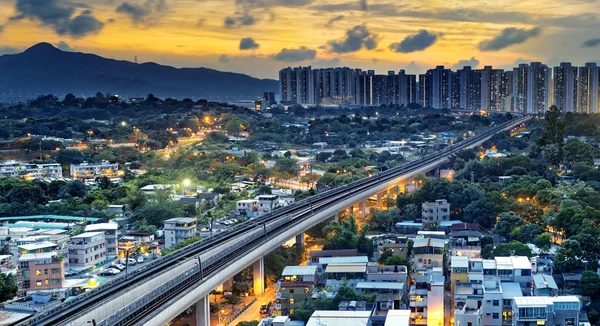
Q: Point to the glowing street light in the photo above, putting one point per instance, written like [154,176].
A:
[123,123]
[186,182]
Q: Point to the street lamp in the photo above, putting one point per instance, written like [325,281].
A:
[123,123]
[186,182]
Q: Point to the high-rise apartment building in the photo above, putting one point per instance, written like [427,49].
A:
[586,89]
[539,81]
[564,86]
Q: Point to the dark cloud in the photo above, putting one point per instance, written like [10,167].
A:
[58,15]
[473,63]
[293,55]
[62,45]
[147,14]
[417,42]
[356,38]
[110,20]
[224,58]
[249,4]
[333,20]
[509,36]
[200,22]
[9,50]
[248,43]
[335,62]
[363,5]
[239,21]
[1,28]
[591,43]
[391,9]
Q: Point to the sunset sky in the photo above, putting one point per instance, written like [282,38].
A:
[259,37]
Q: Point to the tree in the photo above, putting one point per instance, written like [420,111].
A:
[410,212]
[322,157]
[506,223]
[568,257]
[481,212]
[385,219]
[248,323]
[73,189]
[233,300]
[527,233]
[555,127]
[157,213]
[396,261]
[235,126]
[67,157]
[8,287]
[5,250]
[341,235]
[576,151]
[287,165]
[26,192]
[487,252]
[513,248]
[263,190]
[590,284]
[543,241]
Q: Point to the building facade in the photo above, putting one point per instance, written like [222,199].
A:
[178,230]
[87,250]
[30,171]
[93,170]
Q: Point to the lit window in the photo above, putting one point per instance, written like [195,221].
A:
[39,283]
[292,301]
[38,272]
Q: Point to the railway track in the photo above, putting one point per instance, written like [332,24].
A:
[251,233]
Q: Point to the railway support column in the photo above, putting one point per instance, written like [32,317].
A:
[362,208]
[227,285]
[300,241]
[203,311]
[379,198]
[258,275]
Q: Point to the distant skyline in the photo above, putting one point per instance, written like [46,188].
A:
[259,37]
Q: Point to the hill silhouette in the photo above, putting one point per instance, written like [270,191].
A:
[44,69]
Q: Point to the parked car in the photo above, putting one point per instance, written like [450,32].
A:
[118,266]
[140,259]
[110,271]
[264,309]
[131,261]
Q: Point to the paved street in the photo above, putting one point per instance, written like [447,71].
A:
[253,313]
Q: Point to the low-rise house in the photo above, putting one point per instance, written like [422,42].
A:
[111,236]
[87,250]
[40,271]
[178,230]
[544,285]
[94,170]
[297,284]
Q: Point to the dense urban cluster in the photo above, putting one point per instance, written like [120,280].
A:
[528,88]
[512,221]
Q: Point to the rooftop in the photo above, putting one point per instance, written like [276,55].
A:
[299,270]
[38,245]
[344,260]
[466,226]
[50,217]
[181,220]
[86,235]
[36,256]
[511,290]
[332,253]
[380,285]
[101,226]
[346,268]
[428,242]
[397,318]
[39,225]
[459,261]
[543,281]
[339,318]
[523,302]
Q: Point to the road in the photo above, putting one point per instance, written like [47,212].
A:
[253,313]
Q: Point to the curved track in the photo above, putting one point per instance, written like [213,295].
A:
[248,235]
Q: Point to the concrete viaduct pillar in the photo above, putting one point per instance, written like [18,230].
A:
[203,311]
[300,241]
[227,285]
[362,208]
[258,275]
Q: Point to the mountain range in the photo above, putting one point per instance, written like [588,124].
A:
[44,69]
